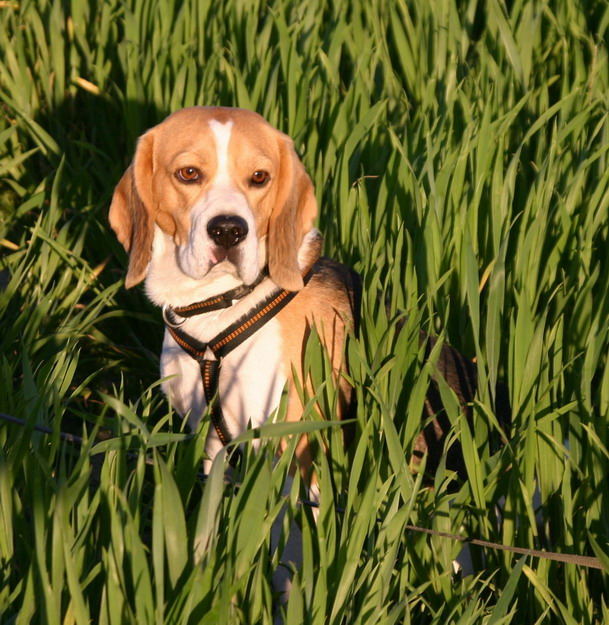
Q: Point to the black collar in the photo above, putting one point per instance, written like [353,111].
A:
[216,302]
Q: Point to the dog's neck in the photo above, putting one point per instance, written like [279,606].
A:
[167,284]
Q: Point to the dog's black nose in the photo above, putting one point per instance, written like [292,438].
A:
[227,230]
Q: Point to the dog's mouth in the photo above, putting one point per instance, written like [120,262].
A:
[219,254]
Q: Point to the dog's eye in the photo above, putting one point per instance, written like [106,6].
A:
[260,178]
[189,174]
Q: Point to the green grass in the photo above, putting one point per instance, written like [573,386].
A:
[460,155]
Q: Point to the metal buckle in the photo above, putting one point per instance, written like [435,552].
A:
[166,312]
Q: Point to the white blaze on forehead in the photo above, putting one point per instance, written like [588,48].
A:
[221,134]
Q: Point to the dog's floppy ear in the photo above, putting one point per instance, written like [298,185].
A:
[291,218]
[131,212]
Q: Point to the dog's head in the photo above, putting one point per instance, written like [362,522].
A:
[226,187]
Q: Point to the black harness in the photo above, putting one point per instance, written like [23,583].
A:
[209,355]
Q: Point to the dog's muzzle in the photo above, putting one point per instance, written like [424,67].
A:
[222,229]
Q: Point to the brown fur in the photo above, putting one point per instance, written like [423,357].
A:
[132,222]
[292,216]
[329,302]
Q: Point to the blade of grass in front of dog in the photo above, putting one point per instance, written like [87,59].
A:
[170,513]
[295,612]
[249,508]
[209,509]
[144,602]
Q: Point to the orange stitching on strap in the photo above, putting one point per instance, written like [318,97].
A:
[184,345]
[243,327]
[206,304]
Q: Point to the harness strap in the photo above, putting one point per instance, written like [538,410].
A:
[210,375]
[224,300]
[230,338]
[193,347]
[209,355]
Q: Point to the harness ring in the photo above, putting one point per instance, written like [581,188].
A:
[167,320]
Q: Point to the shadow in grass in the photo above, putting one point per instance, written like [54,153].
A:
[92,142]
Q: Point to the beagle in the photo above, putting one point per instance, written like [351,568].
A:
[216,212]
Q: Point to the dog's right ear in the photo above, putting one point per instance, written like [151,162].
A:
[131,213]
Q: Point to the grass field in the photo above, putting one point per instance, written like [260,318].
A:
[460,154]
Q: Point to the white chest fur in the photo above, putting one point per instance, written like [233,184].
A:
[251,381]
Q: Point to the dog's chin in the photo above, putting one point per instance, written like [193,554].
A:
[236,262]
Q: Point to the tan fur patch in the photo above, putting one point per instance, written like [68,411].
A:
[326,304]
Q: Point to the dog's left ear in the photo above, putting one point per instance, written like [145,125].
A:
[131,212]
[292,217]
